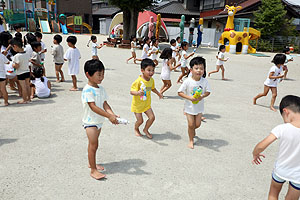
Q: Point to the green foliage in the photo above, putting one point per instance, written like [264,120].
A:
[271,19]
[138,5]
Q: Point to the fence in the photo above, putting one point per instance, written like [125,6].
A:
[277,43]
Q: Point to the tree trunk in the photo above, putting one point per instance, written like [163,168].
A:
[126,24]
[133,21]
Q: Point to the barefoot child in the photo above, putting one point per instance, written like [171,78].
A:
[288,59]
[194,106]
[273,79]
[154,51]
[72,56]
[3,91]
[141,101]
[175,51]
[96,109]
[21,64]
[166,69]
[220,61]
[95,47]
[132,49]
[35,56]
[58,57]
[39,37]
[146,49]
[41,85]
[178,47]
[183,61]
[287,166]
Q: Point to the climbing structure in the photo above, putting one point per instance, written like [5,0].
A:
[237,41]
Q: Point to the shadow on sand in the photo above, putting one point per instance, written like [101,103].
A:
[157,138]
[211,144]
[129,166]
[211,116]
[7,141]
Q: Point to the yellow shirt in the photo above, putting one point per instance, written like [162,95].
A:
[141,104]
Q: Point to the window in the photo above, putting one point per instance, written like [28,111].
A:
[208,4]
[211,4]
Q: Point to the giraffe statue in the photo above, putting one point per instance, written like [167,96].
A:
[237,41]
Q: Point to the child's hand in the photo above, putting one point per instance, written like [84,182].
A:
[160,95]
[192,98]
[226,59]
[140,93]
[192,53]
[200,98]
[256,159]
[113,119]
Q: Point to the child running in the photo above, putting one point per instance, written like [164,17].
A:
[95,110]
[288,59]
[145,50]
[178,47]
[194,89]
[183,61]
[21,64]
[72,56]
[167,67]
[220,62]
[272,80]
[287,166]
[41,85]
[3,91]
[175,51]
[154,51]
[95,47]
[141,101]
[58,57]
[132,49]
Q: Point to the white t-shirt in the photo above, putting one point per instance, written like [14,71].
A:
[173,51]
[187,88]
[222,56]
[145,50]
[133,43]
[73,56]
[23,60]
[154,55]
[183,61]
[287,165]
[41,88]
[92,94]
[3,61]
[165,70]
[273,82]
[94,49]
[43,48]
[288,57]
[58,54]
[28,49]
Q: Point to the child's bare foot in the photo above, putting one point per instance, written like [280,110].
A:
[22,102]
[272,108]
[224,79]
[179,82]
[97,175]
[74,89]
[98,167]
[62,80]
[254,101]
[31,97]
[191,145]
[147,134]
[137,132]
[57,81]
[6,103]
[203,118]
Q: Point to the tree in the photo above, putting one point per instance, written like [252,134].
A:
[271,19]
[131,9]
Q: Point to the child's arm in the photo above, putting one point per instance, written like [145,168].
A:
[187,57]
[191,98]
[172,67]
[137,93]
[35,63]
[112,118]
[158,93]
[260,147]
[49,85]
[108,109]
[274,77]
[223,59]
[100,46]
[206,94]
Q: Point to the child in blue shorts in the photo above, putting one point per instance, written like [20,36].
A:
[287,166]
[96,109]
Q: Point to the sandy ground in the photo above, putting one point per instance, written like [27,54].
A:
[43,147]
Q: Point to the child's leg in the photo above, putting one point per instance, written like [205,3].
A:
[275,189]
[191,129]
[134,57]
[27,84]
[167,85]
[215,71]
[4,92]
[12,84]
[74,81]
[19,86]
[95,57]
[61,73]
[149,122]
[274,95]
[183,73]
[285,71]
[57,72]
[93,135]
[198,119]
[265,92]
[138,123]
[223,72]
[155,62]
[24,92]
[293,193]
[32,92]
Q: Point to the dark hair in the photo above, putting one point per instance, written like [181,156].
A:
[17,26]
[285,50]
[153,41]
[72,40]
[177,38]
[38,34]
[35,44]
[38,73]
[58,38]
[5,36]
[279,59]
[291,102]
[147,62]
[93,37]
[199,61]
[146,39]
[183,44]
[172,41]
[132,37]
[29,38]
[93,66]
[152,38]
[18,35]
[17,41]
[222,47]
[166,53]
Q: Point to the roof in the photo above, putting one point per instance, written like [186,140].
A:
[293,2]
[174,7]
[108,11]
[171,20]
[244,5]
[293,6]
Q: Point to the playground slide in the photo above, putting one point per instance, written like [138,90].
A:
[253,35]
[44,25]
[88,27]
[63,28]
